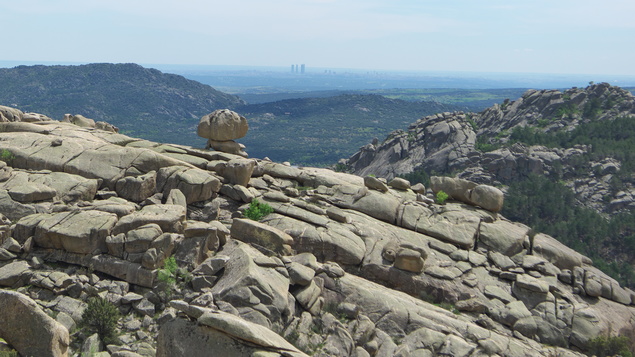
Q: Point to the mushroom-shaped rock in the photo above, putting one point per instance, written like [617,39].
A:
[222,125]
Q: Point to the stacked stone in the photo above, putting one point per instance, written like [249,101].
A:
[221,128]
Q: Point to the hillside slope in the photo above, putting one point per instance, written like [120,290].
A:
[148,104]
[341,266]
[140,101]
[574,147]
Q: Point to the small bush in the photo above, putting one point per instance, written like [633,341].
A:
[340,167]
[472,123]
[609,346]
[6,155]
[173,276]
[169,272]
[448,306]
[442,197]
[484,145]
[101,316]
[257,210]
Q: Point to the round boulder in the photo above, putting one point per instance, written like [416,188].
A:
[222,125]
[488,197]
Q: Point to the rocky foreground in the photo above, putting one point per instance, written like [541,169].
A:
[344,266]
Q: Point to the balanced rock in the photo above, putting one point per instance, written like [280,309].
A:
[488,197]
[222,125]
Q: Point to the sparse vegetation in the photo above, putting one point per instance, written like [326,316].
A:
[101,316]
[6,155]
[610,346]
[418,176]
[483,144]
[169,272]
[340,167]
[172,275]
[257,210]
[448,306]
[471,121]
[442,197]
[567,109]
[531,201]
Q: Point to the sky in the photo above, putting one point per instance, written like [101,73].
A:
[537,36]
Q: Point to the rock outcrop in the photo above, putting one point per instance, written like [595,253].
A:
[446,143]
[344,266]
[221,128]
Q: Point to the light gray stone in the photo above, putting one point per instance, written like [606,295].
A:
[272,238]
[239,171]
[81,232]
[137,188]
[30,330]
[399,183]
[409,260]
[502,236]
[222,125]
[486,196]
[169,217]
[374,183]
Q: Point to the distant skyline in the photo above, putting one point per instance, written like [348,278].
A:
[561,37]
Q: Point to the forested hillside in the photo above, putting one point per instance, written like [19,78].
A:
[318,131]
[140,101]
[565,159]
[156,106]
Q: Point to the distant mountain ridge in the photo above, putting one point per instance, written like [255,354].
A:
[162,107]
[140,101]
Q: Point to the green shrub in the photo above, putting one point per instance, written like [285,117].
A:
[417,176]
[567,110]
[12,353]
[609,346]
[483,144]
[172,275]
[257,210]
[340,167]
[6,155]
[442,197]
[448,306]
[101,316]
[471,122]
[169,272]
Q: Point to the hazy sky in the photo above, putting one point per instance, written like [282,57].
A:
[544,36]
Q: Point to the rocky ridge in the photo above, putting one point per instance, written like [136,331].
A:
[345,266]
[448,143]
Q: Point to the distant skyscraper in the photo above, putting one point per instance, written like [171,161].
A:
[292,68]
[302,68]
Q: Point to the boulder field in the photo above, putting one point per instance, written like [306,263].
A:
[344,266]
